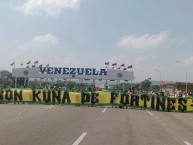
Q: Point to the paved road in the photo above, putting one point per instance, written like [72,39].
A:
[70,125]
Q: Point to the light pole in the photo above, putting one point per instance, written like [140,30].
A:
[186,74]
[159,74]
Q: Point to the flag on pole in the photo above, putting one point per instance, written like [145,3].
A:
[122,65]
[29,62]
[130,66]
[36,62]
[106,63]
[114,64]
[12,63]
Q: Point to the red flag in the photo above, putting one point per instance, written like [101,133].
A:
[114,64]
[130,66]
[123,65]
[12,63]
[29,62]
[36,62]
[106,63]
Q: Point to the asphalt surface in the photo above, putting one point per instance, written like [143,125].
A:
[70,125]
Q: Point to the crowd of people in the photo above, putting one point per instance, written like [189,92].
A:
[165,93]
[177,93]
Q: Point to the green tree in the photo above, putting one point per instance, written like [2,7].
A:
[146,84]
[6,78]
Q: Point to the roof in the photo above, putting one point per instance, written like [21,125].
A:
[174,83]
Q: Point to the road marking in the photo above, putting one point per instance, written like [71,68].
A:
[80,138]
[48,107]
[17,114]
[187,143]
[149,112]
[104,110]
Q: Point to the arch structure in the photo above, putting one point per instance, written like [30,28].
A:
[73,73]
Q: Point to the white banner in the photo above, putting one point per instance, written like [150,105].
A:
[72,73]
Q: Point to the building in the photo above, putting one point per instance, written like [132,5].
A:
[172,86]
[80,74]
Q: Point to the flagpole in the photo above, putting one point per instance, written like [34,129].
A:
[131,86]
[15,82]
[28,82]
[131,66]
[131,79]
[22,64]
[46,81]
[40,82]
[24,82]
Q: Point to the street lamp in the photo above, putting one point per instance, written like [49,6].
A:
[159,74]
[186,74]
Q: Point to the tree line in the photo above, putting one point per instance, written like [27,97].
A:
[6,80]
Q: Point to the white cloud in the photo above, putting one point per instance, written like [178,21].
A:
[41,41]
[40,44]
[47,39]
[144,41]
[47,7]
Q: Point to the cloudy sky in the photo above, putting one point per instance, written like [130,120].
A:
[147,34]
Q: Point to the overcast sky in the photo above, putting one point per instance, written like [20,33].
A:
[148,34]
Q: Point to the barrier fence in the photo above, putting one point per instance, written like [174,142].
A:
[96,98]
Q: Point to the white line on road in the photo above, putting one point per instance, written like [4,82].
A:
[80,138]
[187,143]
[48,107]
[17,114]
[104,110]
[149,112]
